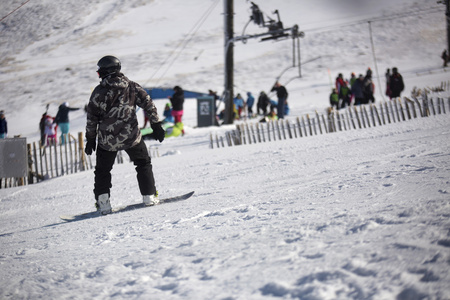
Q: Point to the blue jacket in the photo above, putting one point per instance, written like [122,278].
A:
[250,100]
[3,126]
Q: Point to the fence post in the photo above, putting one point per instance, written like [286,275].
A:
[357,117]
[420,107]
[289,129]
[83,162]
[300,127]
[432,106]
[304,126]
[36,162]
[30,164]
[318,122]
[349,109]
[401,109]
[407,109]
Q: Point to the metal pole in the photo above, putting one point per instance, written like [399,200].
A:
[447,14]
[375,60]
[229,64]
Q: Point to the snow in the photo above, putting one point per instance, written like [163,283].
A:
[359,214]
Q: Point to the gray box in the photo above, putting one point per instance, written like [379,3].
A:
[13,158]
[206,111]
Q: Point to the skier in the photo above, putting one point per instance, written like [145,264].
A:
[111,119]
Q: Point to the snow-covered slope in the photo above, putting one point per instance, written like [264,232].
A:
[360,214]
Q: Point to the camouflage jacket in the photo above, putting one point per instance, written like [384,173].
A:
[111,113]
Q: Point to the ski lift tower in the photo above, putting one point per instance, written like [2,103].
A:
[276,31]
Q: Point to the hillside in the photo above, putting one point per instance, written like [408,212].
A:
[359,214]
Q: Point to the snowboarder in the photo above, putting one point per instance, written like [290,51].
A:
[111,119]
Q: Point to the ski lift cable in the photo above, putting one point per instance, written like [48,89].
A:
[14,10]
[335,27]
[185,40]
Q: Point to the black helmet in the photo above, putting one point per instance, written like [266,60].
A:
[108,65]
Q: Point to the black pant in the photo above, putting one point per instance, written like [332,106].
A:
[138,155]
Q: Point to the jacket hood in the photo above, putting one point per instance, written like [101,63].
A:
[115,82]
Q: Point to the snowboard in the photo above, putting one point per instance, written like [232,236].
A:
[95,214]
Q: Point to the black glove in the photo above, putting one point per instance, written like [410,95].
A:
[90,146]
[158,132]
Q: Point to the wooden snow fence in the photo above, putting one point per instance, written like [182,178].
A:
[350,118]
[54,160]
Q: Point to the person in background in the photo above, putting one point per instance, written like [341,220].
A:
[339,82]
[396,84]
[62,119]
[444,57]
[357,90]
[352,79]
[387,75]
[250,102]
[263,103]
[282,96]
[168,114]
[146,120]
[345,95]
[50,130]
[3,125]
[177,101]
[112,121]
[368,88]
[239,105]
[334,99]
[42,128]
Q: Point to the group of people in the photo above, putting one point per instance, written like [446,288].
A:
[265,106]
[173,114]
[360,90]
[49,125]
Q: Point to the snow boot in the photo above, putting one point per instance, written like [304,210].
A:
[103,204]
[150,200]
